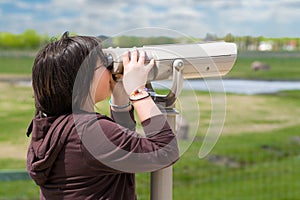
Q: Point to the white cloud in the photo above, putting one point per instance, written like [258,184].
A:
[192,17]
[229,4]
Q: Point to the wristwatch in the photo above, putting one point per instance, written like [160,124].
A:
[139,94]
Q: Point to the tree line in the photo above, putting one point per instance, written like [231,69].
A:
[32,40]
[244,43]
[29,39]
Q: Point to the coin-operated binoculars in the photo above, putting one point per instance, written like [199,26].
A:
[176,62]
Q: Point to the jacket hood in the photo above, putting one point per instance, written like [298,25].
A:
[49,135]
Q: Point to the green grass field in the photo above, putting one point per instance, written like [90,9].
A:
[249,163]
[16,65]
[256,157]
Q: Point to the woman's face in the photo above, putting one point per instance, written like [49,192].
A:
[100,88]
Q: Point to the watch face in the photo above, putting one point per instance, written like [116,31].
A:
[138,96]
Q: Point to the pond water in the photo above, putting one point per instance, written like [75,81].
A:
[248,87]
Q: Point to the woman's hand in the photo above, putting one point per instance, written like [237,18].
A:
[135,71]
[135,77]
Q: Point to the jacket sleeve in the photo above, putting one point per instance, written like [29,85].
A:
[115,148]
[125,118]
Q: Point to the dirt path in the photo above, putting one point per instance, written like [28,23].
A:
[15,151]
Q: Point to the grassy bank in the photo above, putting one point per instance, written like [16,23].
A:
[256,157]
[283,66]
[16,65]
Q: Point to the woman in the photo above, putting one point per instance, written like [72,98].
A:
[76,153]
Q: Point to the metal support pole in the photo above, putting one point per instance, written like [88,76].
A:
[162,180]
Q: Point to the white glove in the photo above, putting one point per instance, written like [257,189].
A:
[135,72]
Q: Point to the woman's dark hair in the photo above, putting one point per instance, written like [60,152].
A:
[57,66]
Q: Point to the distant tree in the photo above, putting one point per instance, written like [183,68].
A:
[125,41]
[211,37]
[29,39]
[229,38]
[159,40]
[187,40]
[8,40]
[131,41]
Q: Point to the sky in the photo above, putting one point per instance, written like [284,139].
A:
[196,18]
